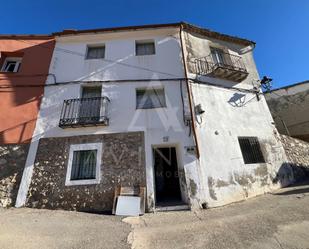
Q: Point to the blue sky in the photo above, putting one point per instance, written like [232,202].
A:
[279,27]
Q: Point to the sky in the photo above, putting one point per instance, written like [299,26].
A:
[280,28]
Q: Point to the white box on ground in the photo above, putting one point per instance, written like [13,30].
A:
[128,205]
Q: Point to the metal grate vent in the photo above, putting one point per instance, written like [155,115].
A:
[251,150]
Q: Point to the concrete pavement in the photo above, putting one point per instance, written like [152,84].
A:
[45,229]
[273,221]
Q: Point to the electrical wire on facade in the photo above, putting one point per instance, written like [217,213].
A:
[116,62]
[104,59]
[128,81]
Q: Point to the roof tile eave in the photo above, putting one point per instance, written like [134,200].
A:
[123,28]
[218,35]
[26,36]
[206,32]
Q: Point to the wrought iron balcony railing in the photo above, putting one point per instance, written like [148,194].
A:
[84,112]
[226,66]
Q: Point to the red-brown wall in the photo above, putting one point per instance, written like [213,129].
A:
[19,102]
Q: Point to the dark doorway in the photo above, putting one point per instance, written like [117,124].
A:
[167,185]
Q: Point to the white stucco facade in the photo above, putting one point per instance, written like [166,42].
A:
[232,112]
[219,176]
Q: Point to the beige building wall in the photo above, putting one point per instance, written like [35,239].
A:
[290,109]
[233,110]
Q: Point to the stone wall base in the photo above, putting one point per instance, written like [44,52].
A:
[297,152]
[122,164]
[12,162]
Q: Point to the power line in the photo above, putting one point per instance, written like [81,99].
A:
[107,60]
[87,82]
[107,81]
[126,81]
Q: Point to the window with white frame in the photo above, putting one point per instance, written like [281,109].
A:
[145,47]
[84,164]
[11,64]
[150,98]
[95,52]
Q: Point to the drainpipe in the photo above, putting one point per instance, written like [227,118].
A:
[189,92]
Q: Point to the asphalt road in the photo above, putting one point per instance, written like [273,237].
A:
[274,221]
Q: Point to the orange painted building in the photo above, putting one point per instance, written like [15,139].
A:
[24,66]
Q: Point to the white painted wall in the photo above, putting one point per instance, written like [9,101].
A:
[221,160]
[124,117]
[228,115]
[221,157]
[120,62]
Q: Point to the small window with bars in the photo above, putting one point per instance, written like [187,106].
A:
[150,98]
[95,52]
[84,164]
[144,47]
[251,150]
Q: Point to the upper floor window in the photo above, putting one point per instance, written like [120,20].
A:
[150,98]
[251,150]
[91,91]
[217,55]
[144,47]
[95,52]
[11,64]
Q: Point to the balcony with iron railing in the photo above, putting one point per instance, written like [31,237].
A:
[84,112]
[224,66]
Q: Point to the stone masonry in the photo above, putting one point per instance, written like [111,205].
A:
[12,162]
[123,163]
[297,152]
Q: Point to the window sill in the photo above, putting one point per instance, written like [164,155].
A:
[94,59]
[142,55]
[1,72]
[82,182]
[151,108]
[255,164]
